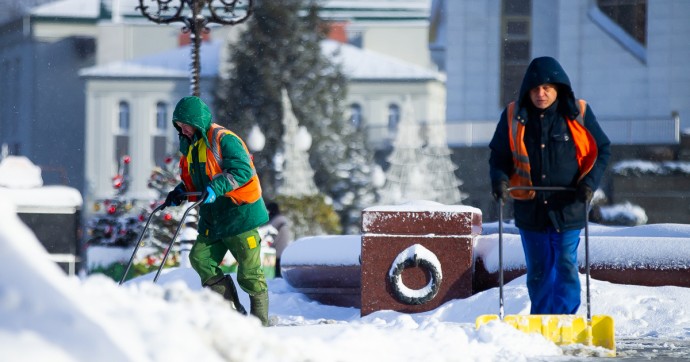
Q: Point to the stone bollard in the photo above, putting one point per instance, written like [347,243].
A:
[416,256]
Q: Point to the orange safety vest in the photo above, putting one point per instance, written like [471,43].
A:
[585,150]
[248,193]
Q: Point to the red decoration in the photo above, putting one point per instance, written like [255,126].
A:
[167,217]
[127,159]
[168,160]
[118,181]
[112,209]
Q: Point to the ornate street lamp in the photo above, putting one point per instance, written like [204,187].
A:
[219,12]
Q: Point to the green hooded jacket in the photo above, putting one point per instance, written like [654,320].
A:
[223,217]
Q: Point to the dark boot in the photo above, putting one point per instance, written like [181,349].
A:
[259,307]
[226,287]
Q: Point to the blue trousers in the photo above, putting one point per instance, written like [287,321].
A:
[553,281]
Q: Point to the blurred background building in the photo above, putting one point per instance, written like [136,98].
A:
[83,82]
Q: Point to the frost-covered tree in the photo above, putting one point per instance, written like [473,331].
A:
[297,174]
[281,48]
[416,171]
[444,185]
[406,176]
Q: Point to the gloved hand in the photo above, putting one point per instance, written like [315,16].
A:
[209,195]
[499,190]
[175,197]
[583,192]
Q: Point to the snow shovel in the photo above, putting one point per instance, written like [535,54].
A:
[141,236]
[595,330]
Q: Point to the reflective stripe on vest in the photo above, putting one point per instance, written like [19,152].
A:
[212,156]
[585,149]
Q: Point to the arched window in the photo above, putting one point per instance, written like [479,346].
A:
[356,115]
[161,116]
[123,116]
[122,132]
[159,141]
[393,117]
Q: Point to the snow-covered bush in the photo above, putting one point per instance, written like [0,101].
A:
[625,214]
[639,167]
[310,215]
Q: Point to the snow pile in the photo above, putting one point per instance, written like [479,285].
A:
[640,167]
[659,246]
[21,183]
[40,309]
[47,316]
[623,214]
[18,172]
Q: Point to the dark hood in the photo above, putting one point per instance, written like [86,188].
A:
[547,70]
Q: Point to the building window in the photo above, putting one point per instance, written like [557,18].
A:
[159,141]
[161,116]
[630,15]
[356,115]
[122,133]
[516,43]
[123,116]
[393,118]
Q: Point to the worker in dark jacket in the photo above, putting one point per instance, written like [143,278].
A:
[216,162]
[547,137]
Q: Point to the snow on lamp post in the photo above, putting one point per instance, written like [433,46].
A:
[218,11]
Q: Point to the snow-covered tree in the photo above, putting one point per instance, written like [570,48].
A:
[280,49]
[444,185]
[416,171]
[297,175]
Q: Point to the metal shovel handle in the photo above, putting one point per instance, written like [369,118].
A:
[172,241]
[141,235]
[501,312]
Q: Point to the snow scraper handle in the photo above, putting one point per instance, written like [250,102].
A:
[141,236]
[172,241]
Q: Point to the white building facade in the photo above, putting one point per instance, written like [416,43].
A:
[626,58]
[129,105]
[79,113]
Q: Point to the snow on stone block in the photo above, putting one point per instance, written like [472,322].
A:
[325,268]
[323,250]
[422,217]
[650,255]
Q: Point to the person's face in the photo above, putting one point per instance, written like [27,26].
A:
[544,95]
[187,130]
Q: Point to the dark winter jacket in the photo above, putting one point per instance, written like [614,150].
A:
[223,217]
[554,163]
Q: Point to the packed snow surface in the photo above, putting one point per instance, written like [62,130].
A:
[45,315]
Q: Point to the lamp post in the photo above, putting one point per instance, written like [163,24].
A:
[219,12]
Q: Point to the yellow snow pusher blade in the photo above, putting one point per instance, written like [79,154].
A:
[563,329]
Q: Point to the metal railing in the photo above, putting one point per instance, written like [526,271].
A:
[650,131]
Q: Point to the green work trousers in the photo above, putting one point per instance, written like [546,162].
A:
[207,254]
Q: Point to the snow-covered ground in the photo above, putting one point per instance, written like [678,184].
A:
[47,316]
